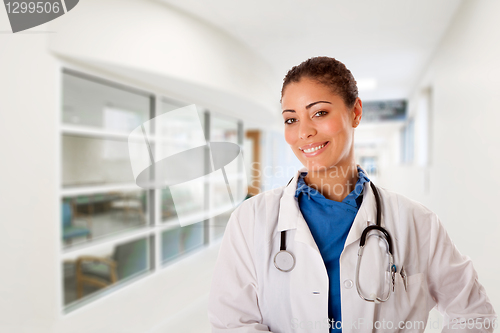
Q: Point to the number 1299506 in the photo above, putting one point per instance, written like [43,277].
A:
[32,7]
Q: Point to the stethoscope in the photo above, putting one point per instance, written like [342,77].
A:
[285,261]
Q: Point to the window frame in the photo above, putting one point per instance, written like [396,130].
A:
[155,225]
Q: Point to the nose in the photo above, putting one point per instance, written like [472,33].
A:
[306,129]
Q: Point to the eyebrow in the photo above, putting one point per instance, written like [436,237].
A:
[307,106]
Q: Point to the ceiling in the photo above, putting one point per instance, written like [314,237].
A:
[390,41]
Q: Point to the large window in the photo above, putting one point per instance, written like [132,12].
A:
[223,129]
[113,231]
[408,142]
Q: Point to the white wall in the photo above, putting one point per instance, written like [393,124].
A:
[29,179]
[464,77]
[134,41]
[150,42]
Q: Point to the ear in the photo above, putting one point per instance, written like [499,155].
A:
[357,112]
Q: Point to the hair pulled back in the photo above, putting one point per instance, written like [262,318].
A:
[328,71]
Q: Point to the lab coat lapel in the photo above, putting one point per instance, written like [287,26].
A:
[290,216]
[289,207]
[309,279]
[367,214]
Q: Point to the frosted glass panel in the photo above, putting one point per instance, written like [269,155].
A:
[90,161]
[96,104]
[180,240]
[94,216]
[91,274]
[223,130]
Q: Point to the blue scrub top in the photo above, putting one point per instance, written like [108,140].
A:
[330,222]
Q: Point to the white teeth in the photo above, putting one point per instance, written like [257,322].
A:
[313,149]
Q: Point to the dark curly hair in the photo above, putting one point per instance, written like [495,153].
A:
[328,71]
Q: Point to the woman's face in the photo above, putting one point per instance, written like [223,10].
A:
[319,127]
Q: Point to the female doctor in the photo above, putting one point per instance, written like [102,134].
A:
[331,251]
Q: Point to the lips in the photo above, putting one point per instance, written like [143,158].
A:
[313,145]
[314,148]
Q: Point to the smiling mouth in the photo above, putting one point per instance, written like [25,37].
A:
[312,150]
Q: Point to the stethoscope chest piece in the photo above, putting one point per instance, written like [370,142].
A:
[284,261]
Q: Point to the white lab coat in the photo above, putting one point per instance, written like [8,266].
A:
[249,294]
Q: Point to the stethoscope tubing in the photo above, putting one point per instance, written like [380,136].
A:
[387,239]
[284,252]
[358,289]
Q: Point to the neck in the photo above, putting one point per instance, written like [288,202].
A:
[335,183]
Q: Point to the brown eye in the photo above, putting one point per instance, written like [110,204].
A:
[290,121]
[320,113]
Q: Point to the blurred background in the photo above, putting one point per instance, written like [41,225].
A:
[84,249]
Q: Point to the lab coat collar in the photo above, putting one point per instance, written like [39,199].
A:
[289,211]
[367,214]
[290,216]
